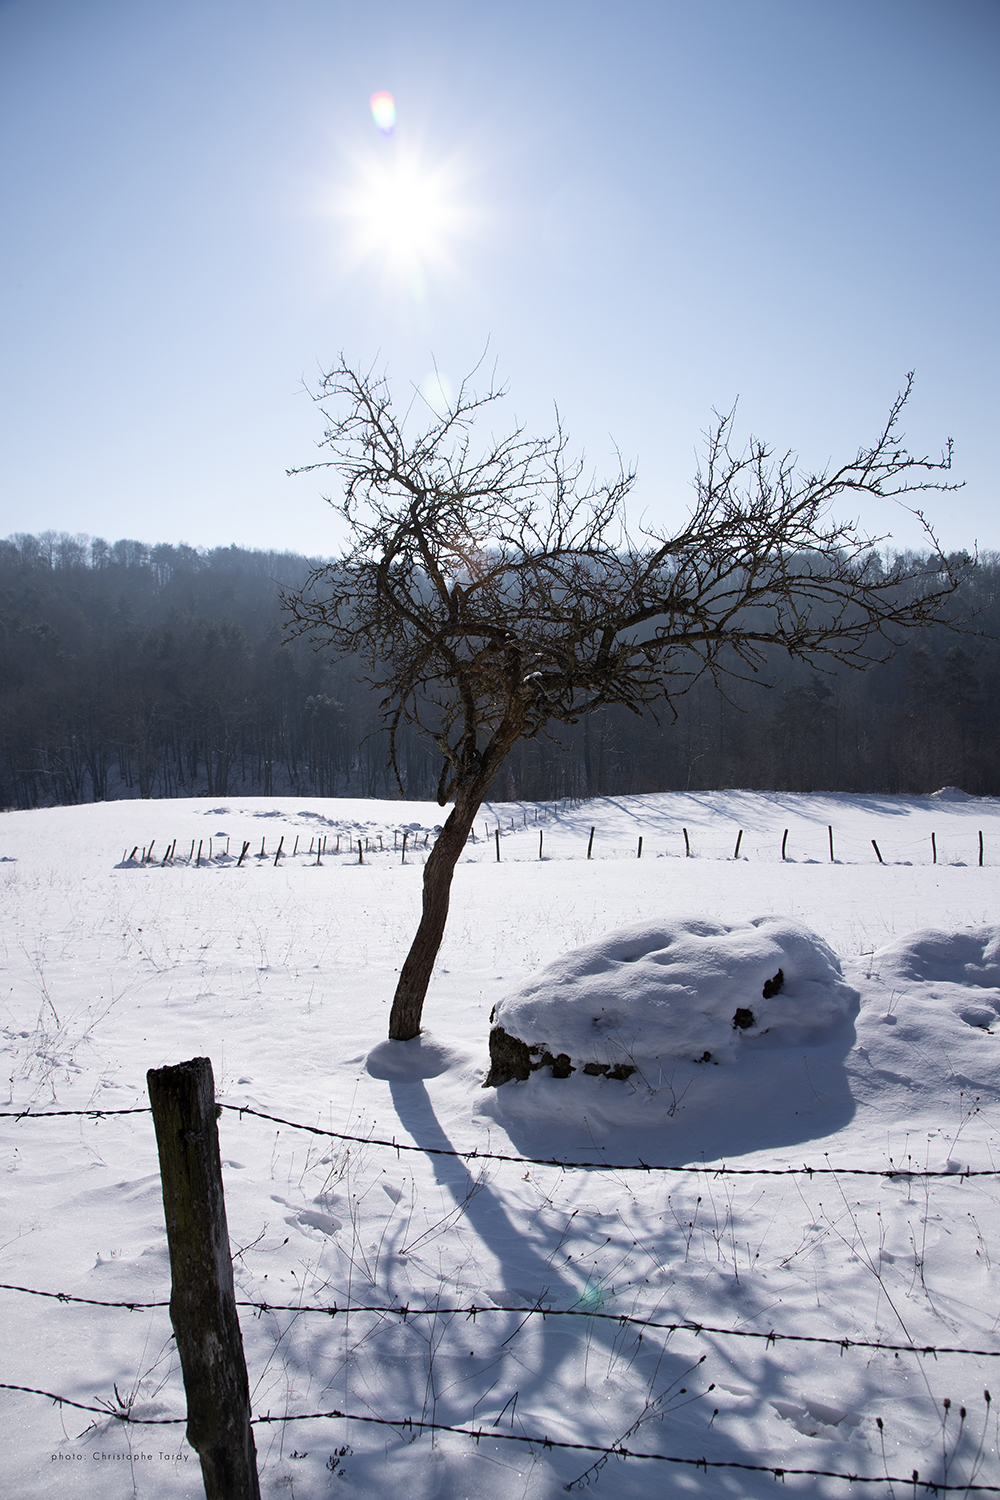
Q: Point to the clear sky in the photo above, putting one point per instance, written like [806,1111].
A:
[643,210]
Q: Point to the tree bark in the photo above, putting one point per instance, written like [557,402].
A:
[415,975]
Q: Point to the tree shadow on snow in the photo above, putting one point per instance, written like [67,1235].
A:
[532,1271]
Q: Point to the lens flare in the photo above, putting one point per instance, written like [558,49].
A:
[436,389]
[383,107]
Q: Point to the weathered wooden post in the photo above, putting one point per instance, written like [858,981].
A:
[202,1295]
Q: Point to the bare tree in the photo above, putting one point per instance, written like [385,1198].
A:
[492,591]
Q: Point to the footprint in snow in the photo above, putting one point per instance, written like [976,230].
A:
[813,1416]
[309,1218]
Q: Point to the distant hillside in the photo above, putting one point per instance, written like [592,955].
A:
[130,670]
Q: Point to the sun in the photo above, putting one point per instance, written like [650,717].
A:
[405,215]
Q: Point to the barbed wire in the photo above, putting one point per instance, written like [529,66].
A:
[404,1311]
[640,1166]
[410,1424]
[33,1291]
[104,1411]
[52,1114]
[541,1161]
[617,1451]
[688,1325]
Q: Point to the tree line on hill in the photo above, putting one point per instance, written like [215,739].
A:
[129,670]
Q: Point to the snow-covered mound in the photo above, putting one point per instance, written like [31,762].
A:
[689,989]
[971,957]
[930,972]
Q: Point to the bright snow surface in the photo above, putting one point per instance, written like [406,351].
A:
[692,990]
[283,973]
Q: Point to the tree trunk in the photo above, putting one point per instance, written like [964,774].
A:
[415,975]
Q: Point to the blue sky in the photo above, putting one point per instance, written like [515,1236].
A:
[640,211]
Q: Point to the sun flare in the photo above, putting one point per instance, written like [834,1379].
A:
[406,215]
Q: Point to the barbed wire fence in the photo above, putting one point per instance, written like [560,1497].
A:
[477,1154]
[538,1310]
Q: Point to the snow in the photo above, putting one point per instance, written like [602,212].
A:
[283,974]
[691,988]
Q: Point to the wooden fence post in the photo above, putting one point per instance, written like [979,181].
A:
[202,1296]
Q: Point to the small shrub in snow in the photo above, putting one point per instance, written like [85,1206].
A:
[688,989]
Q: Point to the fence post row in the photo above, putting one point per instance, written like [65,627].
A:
[202,1295]
[497,832]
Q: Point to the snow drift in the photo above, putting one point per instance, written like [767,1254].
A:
[932,972]
[969,958]
[691,989]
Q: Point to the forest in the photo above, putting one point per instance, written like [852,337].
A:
[136,670]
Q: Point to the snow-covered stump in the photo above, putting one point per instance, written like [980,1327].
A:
[202,1294]
[689,990]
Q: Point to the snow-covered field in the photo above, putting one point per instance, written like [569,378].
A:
[283,974]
